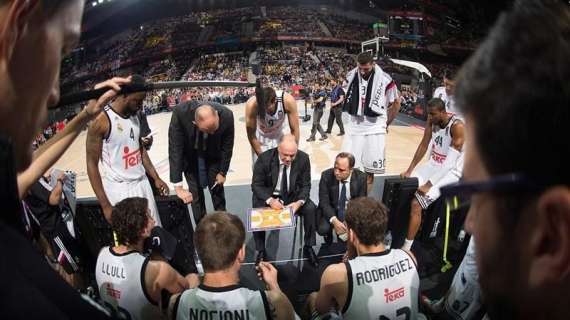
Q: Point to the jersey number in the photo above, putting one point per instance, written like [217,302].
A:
[439,141]
[406,311]
[460,306]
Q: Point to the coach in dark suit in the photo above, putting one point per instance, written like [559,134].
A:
[282,177]
[337,186]
[200,146]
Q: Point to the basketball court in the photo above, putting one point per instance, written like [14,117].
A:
[403,137]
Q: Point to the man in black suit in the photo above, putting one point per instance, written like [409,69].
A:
[200,146]
[281,178]
[337,186]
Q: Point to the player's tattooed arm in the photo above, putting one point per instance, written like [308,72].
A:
[279,306]
[272,310]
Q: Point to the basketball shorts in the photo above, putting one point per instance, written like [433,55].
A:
[423,173]
[266,144]
[117,191]
[463,300]
[368,151]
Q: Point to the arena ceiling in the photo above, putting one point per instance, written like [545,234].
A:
[104,16]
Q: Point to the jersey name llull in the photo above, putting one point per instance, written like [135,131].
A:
[113,271]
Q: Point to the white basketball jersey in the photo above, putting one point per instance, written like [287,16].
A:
[121,156]
[441,142]
[362,89]
[382,286]
[449,101]
[463,301]
[232,302]
[120,280]
[364,125]
[271,126]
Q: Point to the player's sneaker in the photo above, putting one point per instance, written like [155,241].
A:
[434,306]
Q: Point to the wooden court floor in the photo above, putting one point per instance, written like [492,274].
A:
[401,143]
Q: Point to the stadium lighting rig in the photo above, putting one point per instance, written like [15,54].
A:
[99,2]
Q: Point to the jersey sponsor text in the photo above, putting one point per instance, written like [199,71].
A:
[132,159]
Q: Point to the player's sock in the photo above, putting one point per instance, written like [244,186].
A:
[407,245]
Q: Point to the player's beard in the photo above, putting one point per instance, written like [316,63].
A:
[366,76]
[132,110]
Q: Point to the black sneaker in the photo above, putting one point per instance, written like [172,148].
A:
[310,254]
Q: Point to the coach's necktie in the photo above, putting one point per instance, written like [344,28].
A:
[284,190]
[342,202]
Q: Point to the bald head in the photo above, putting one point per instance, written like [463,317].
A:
[207,119]
[287,149]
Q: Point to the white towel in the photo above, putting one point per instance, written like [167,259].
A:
[378,102]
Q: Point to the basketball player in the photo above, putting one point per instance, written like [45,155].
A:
[220,242]
[370,99]
[265,119]
[463,299]
[444,133]
[378,283]
[446,91]
[127,280]
[114,139]
[51,151]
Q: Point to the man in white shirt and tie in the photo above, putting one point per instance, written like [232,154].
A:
[336,187]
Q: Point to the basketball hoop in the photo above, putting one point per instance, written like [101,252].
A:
[375,46]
